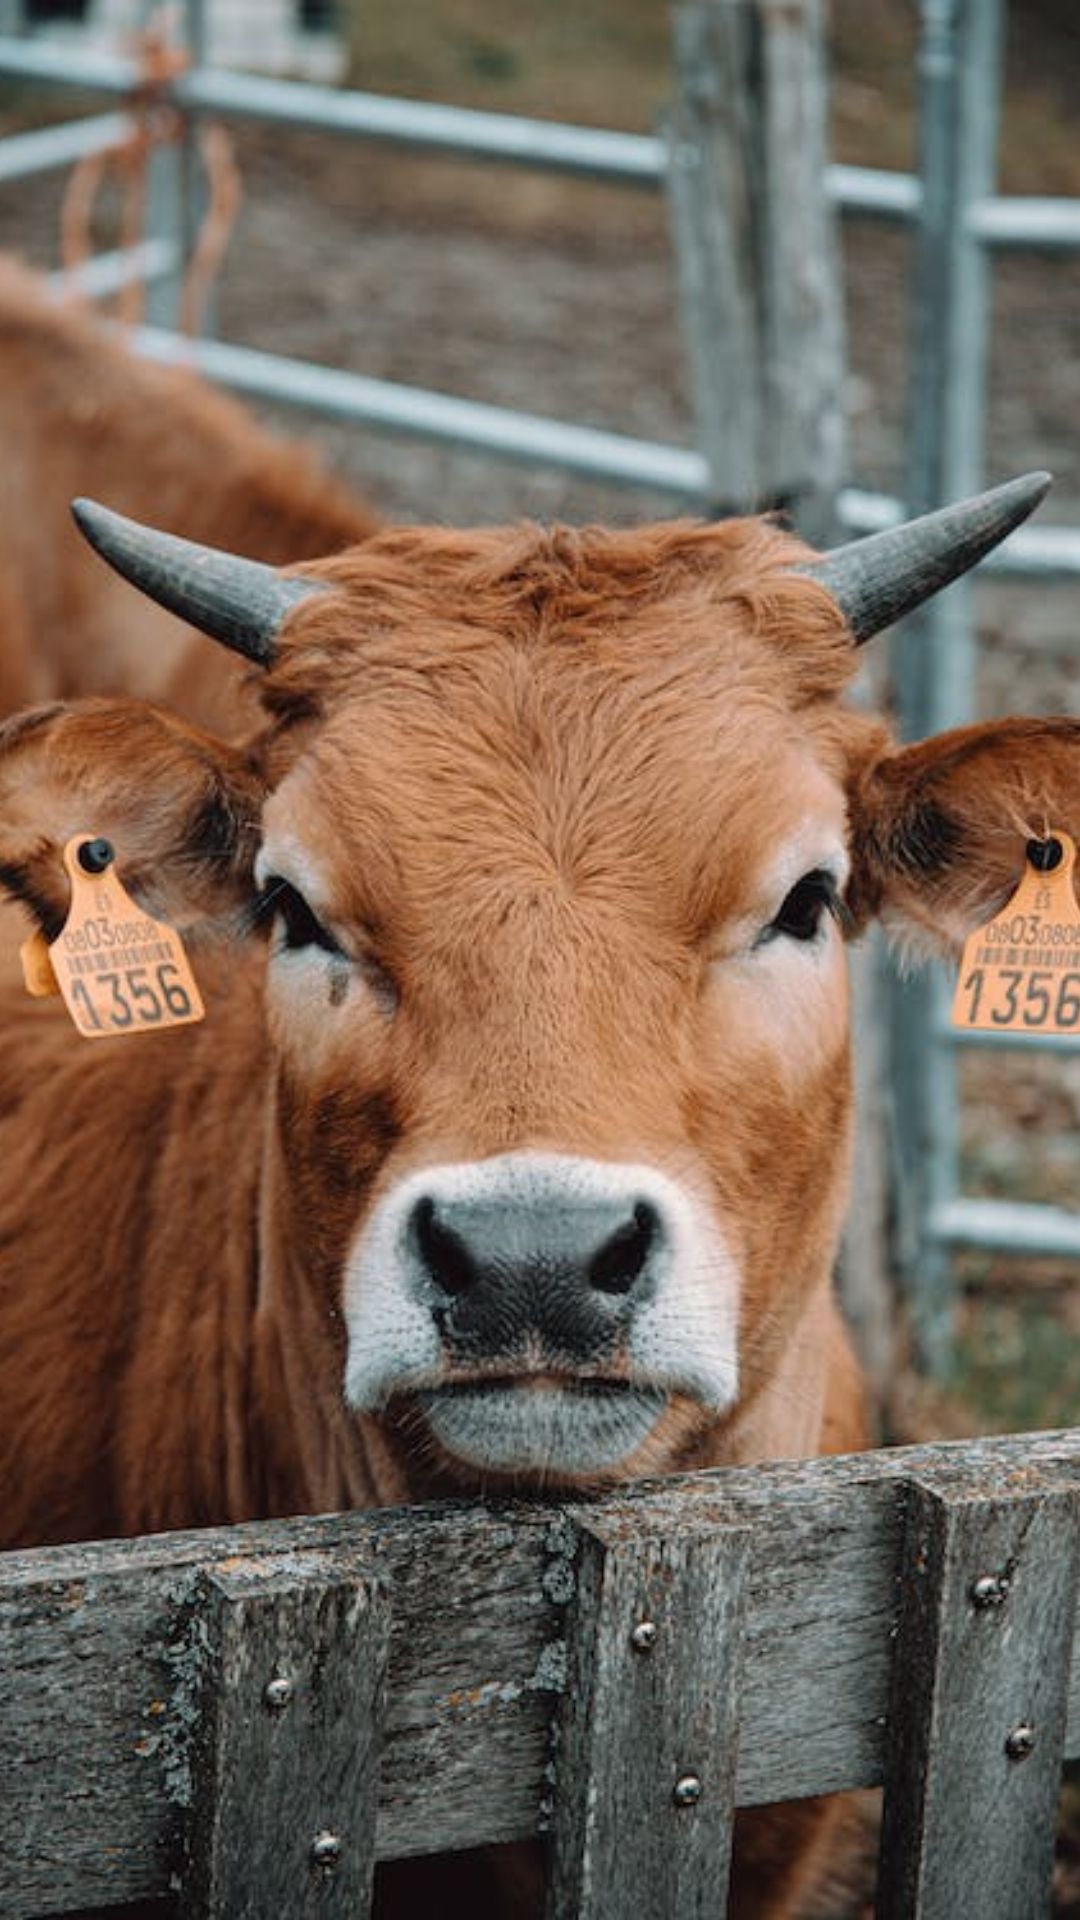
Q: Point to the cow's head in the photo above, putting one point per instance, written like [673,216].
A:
[560,836]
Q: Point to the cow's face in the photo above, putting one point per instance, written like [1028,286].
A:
[560,880]
[559,840]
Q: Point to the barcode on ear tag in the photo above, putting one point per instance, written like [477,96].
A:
[1021,971]
[120,971]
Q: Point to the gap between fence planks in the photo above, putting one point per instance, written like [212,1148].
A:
[98,1703]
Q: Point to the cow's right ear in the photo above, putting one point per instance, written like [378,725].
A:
[181,808]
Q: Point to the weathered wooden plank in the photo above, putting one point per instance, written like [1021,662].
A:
[93,1743]
[757,255]
[289,1672]
[978,1706]
[648,1729]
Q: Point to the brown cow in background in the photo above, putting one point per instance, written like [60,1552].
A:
[513,1150]
[80,413]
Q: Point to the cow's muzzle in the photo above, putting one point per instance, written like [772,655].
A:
[558,1276]
[537,1306]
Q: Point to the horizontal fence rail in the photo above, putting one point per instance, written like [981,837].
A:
[632,159]
[139,1674]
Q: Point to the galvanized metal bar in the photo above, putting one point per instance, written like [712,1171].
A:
[1022,220]
[934,655]
[1005,1226]
[106,273]
[55,64]
[635,159]
[51,149]
[1011,1042]
[446,420]
[876,191]
[438,417]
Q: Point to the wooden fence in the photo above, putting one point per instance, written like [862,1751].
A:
[256,1713]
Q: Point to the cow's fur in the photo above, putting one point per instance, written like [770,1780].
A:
[547,793]
[548,790]
[79,413]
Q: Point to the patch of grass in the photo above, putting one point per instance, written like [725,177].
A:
[1017,1364]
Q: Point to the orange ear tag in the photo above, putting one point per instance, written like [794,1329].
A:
[119,970]
[37,968]
[1021,971]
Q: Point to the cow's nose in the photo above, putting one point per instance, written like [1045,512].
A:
[571,1271]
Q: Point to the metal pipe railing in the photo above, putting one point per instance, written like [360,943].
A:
[50,149]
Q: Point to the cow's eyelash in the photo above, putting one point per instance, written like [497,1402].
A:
[804,907]
[300,927]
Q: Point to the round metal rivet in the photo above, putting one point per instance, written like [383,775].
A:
[687,1790]
[326,1850]
[1020,1742]
[277,1693]
[643,1637]
[991,1590]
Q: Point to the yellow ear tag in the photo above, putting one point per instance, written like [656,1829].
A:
[1021,971]
[119,970]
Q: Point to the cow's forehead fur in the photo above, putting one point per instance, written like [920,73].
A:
[581,699]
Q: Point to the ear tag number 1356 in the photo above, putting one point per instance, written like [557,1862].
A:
[1021,971]
[119,970]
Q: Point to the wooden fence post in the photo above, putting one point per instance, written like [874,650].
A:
[979,1698]
[757,256]
[648,1737]
[293,1666]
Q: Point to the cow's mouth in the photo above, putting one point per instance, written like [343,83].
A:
[557,1426]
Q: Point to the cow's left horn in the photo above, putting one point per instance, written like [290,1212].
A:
[242,603]
[878,580]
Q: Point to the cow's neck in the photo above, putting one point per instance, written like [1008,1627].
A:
[812,1403]
[310,1455]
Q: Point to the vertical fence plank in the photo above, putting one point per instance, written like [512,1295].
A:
[648,1738]
[286,1755]
[756,254]
[980,1681]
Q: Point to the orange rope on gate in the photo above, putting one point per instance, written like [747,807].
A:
[216,228]
[156,122]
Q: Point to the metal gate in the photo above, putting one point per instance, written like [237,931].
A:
[959,223]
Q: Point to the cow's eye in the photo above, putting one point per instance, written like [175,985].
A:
[299,927]
[801,915]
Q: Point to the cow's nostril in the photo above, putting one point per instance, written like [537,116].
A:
[443,1252]
[621,1260]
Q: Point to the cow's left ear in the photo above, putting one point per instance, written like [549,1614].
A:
[939,830]
[181,808]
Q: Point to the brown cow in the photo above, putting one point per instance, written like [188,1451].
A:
[513,1150]
[80,413]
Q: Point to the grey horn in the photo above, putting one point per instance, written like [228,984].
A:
[242,603]
[878,580]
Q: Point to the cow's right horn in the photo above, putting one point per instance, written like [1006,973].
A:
[242,603]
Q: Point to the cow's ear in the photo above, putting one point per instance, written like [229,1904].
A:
[181,808]
[939,830]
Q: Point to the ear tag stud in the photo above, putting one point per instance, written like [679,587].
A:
[119,970]
[1021,971]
